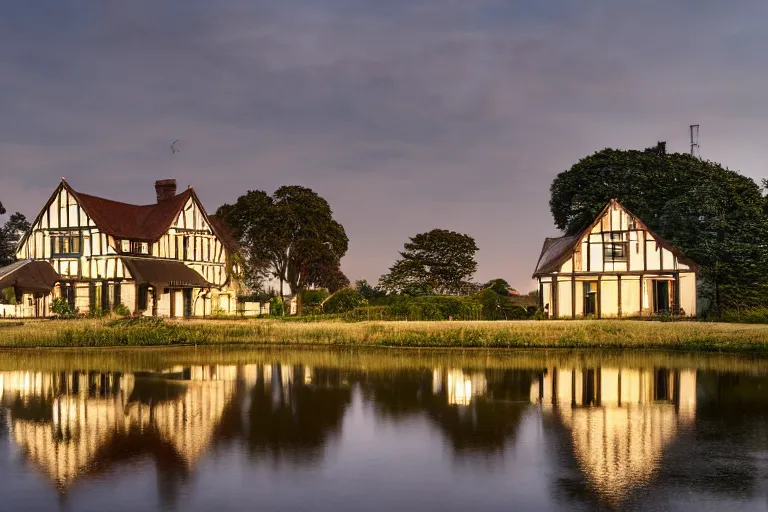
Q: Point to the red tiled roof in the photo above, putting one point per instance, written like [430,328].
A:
[224,233]
[142,223]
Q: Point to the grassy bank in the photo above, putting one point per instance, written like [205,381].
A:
[686,336]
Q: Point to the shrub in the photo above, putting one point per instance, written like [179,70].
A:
[62,308]
[746,316]
[9,295]
[343,301]
[121,310]
[435,308]
[218,313]
[97,312]
[276,307]
[312,301]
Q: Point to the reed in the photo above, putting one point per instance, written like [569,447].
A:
[625,334]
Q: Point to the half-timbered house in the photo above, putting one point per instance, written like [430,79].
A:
[164,259]
[616,267]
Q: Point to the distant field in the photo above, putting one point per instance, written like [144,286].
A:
[592,334]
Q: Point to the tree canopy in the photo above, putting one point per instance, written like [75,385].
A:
[440,261]
[714,215]
[10,234]
[499,286]
[291,236]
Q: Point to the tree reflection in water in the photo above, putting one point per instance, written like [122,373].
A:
[293,410]
[478,411]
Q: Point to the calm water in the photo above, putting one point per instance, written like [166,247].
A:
[381,430]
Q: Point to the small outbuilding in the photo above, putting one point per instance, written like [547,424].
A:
[31,282]
[616,267]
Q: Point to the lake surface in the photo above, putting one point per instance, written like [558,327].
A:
[380,430]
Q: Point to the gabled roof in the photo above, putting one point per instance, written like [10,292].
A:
[143,223]
[556,251]
[146,223]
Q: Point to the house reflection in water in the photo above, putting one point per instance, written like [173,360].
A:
[620,420]
[460,386]
[75,423]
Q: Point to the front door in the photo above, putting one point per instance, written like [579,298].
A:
[590,298]
[661,297]
[187,302]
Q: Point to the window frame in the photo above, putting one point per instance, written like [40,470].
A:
[72,238]
[615,250]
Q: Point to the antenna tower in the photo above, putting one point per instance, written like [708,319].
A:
[695,140]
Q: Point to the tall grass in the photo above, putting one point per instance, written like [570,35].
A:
[690,336]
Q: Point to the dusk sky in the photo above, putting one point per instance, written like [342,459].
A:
[405,115]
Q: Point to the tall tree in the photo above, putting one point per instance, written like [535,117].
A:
[10,234]
[715,215]
[290,235]
[439,261]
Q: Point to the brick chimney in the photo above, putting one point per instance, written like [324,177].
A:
[165,189]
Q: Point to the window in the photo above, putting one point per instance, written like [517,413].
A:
[132,247]
[139,247]
[66,244]
[614,247]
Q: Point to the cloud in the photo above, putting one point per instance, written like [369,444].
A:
[405,115]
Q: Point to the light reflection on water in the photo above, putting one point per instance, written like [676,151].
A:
[544,434]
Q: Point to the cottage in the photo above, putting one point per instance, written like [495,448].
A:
[616,267]
[165,259]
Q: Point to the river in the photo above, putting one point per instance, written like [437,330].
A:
[381,430]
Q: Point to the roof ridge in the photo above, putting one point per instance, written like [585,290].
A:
[150,205]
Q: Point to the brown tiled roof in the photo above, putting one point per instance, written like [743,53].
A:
[29,276]
[143,223]
[224,233]
[163,272]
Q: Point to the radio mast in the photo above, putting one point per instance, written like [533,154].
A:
[695,140]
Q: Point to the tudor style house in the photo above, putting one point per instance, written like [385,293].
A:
[164,259]
[616,267]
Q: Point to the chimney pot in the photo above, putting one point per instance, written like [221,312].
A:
[165,189]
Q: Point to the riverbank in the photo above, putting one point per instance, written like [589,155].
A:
[578,334]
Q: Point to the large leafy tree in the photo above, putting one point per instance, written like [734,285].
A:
[290,235]
[439,261]
[499,286]
[10,234]
[715,215]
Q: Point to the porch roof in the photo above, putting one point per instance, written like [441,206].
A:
[165,273]
[29,276]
